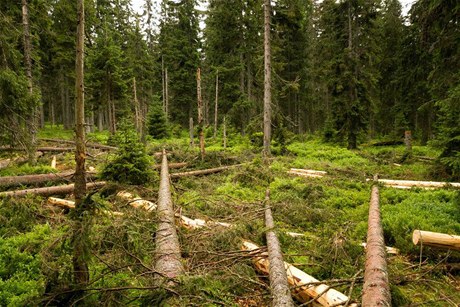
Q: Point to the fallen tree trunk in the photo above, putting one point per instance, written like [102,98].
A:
[168,257]
[388,249]
[92,145]
[68,204]
[412,183]
[56,190]
[204,171]
[40,178]
[172,165]
[305,288]
[281,296]
[306,173]
[376,288]
[436,239]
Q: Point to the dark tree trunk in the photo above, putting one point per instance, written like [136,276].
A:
[267,80]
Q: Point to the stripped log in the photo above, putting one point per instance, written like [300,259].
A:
[204,171]
[137,202]
[281,296]
[168,258]
[436,239]
[412,183]
[56,190]
[306,173]
[68,204]
[40,178]
[305,288]
[89,144]
[172,165]
[376,288]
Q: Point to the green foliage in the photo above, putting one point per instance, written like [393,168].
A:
[131,165]
[157,123]
[17,216]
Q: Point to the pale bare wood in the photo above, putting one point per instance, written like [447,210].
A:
[413,183]
[303,174]
[389,249]
[68,204]
[304,286]
[53,162]
[136,201]
[56,190]
[436,239]
[309,171]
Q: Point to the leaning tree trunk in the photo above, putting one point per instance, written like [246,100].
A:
[376,289]
[81,272]
[267,80]
[168,257]
[281,295]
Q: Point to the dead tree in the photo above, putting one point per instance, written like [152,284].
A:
[200,112]
[192,140]
[216,104]
[168,258]
[267,80]
[281,296]
[376,288]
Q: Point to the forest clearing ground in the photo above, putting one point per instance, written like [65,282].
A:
[331,212]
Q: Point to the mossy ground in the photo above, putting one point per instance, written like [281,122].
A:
[331,212]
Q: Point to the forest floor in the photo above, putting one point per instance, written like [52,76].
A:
[330,212]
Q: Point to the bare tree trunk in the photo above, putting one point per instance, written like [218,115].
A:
[267,80]
[216,104]
[168,256]
[47,191]
[190,126]
[52,114]
[100,119]
[408,142]
[137,111]
[200,112]
[8,181]
[163,82]
[376,289]
[166,94]
[225,134]
[33,118]
[281,296]
[81,272]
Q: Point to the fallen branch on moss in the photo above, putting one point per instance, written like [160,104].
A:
[304,287]
[40,178]
[307,173]
[56,190]
[436,239]
[204,171]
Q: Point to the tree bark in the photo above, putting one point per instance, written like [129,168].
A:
[435,239]
[166,94]
[281,296]
[173,165]
[168,256]
[137,115]
[216,104]
[203,172]
[192,139]
[267,80]
[8,181]
[376,288]
[48,191]
[225,134]
[200,113]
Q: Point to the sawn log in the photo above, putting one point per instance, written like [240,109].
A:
[436,239]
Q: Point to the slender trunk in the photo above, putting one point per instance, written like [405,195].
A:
[32,121]
[166,94]
[192,140]
[81,272]
[408,142]
[200,113]
[225,134]
[163,83]
[100,119]
[216,104]
[376,289]
[52,114]
[267,80]
[168,256]
[137,111]
[281,295]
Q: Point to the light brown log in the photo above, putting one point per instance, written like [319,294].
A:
[56,190]
[40,178]
[309,171]
[304,286]
[310,174]
[167,248]
[89,144]
[136,201]
[436,239]
[172,165]
[376,288]
[203,172]
[413,183]
[68,204]
[281,296]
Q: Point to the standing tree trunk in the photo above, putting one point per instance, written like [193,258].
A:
[81,273]
[33,118]
[168,256]
[166,94]
[200,112]
[376,289]
[137,111]
[267,80]
[225,134]
[216,104]
[190,127]
[281,295]
[163,82]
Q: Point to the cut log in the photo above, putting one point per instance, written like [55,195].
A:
[309,171]
[172,165]
[281,296]
[412,183]
[306,173]
[40,178]
[92,145]
[53,162]
[304,286]
[203,172]
[168,256]
[388,249]
[376,288]
[136,201]
[68,204]
[56,190]
[436,239]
